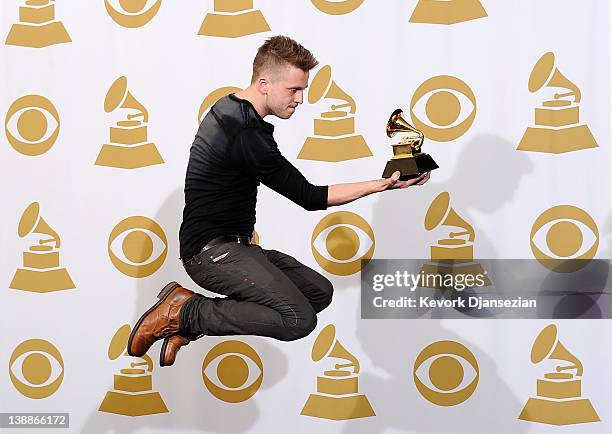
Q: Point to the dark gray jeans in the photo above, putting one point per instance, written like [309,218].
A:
[268,293]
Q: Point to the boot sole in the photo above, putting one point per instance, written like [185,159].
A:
[163,294]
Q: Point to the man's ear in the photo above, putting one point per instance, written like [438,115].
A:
[263,85]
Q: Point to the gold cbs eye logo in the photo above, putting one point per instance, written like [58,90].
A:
[443,100]
[446,373]
[340,242]
[232,371]
[36,368]
[137,246]
[337,7]
[32,125]
[132,13]
[564,238]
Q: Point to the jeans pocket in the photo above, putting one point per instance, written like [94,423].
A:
[221,254]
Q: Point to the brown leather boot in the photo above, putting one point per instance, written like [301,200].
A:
[160,321]
[170,347]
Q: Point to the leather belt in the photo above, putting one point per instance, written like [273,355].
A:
[240,239]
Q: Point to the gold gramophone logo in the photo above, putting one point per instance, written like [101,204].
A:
[37,26]
[132,13]
[337,7]
[447,11]
[232,371]
[557,121]
[233,19]
[559,394]
[453,254]
[564,238]
[342,243]
[132,393]
[36,368]
[334,131]
[137,246]
[41,270]
[32,125]
[443,100]
[337,395]
[129,147]
[212,98]
[446,373]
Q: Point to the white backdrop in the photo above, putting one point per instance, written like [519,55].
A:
[379,58]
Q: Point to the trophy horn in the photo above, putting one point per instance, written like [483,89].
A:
[544,73]
[326,345]
[338,351]
[397,124]
[563,354]
[119,96]
[441,213]
[32,222]
[323,86]
[547,346]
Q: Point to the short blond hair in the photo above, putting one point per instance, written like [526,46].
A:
[279,51]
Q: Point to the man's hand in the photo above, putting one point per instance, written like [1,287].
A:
[339,194]
[394,182]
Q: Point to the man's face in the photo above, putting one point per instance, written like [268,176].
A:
[286,91]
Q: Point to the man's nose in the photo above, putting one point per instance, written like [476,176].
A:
[299,97]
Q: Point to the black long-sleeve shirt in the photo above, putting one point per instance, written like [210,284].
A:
[233,152]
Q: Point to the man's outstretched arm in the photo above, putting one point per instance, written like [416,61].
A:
[339,194]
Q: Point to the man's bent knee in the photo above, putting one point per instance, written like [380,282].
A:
[302,328]
[328,290]
[324,294]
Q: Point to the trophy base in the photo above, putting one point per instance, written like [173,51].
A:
[557,140]
[334,149]
[559,412]
[338,408]
[445,12]
[25,35]
[133,404]
[129,156]
[42,280]
[410,167]
[234,25]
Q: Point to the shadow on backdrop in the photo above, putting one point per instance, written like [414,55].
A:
[191,406]
[488,175]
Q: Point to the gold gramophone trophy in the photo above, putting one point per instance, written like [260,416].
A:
[557,126]
[129,147]
[559,394]
[133,393]
[334,136]
[337,396]
[453,254]
[407,155]
[41,270]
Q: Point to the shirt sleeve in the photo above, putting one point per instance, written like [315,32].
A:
[257,154]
